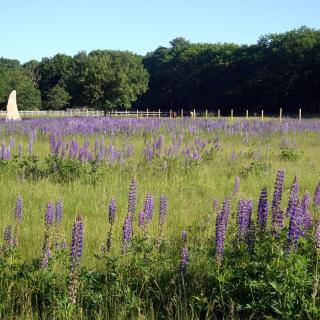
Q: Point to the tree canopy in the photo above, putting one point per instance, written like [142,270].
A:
[279,70]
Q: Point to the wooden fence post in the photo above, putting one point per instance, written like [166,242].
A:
[300,114]
[194,113]
[231,114]
[170,113]
[159,113]
[218,113]
[247,114]
[137,113]
[181,113]
[262,115]
[206,113]
[280,115]
[147,113]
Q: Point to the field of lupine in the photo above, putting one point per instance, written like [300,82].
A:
[108,218]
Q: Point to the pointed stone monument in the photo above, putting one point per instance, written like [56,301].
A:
[12,109]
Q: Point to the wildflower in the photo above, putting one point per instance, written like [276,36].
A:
[19,208]
[148,207]
[162,218]
[132,202]
[75,257]
[184,261]
[295,225]
[316,199]
[236,185]
[317,236]
[221,226]
[277,213]
[262,218]
[293,197]
[126,233]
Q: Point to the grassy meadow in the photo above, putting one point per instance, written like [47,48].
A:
[147,281]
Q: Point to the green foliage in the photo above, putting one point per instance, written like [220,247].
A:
[280,70]
[28,96]
[111,79]
[58,98]
[287,153]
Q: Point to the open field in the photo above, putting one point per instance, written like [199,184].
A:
[221,267]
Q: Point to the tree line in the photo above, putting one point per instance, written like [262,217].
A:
[279,70]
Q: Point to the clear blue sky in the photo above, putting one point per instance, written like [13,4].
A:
[32,29]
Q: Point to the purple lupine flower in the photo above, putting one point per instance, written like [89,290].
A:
[184,260]
[184,235]
[46,254]
[20,150]
[101,151]
[59,211]
[63,245]
[251,237]
[75,257]
[132,201]
[316,199]
[233,156]
[148,152]
[221,226]
[11,143]
[3,148]
[277,212]
[76,244]
[8,237]
[243,218]
[96,146]
[49,216]
[148,207]
[163,209]
[112,211]
[142,219]
[73,150]
[196,155]
[215,204]
[19,208]
[293,197]
[295,226]
[262,218]
[52,144]
[162,218]
[126,233]
[112,214]
[236,185]
[63,150]
[30,145]
[317,236]
[307,218]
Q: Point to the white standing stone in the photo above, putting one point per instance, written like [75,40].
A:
[12,109]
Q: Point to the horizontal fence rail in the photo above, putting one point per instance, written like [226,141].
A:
[144,114]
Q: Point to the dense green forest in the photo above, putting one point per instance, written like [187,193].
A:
[279,70]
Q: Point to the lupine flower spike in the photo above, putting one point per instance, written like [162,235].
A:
[112,217]
[75,258]
[221,226]
[162,218]
[277,213]
[184,260]
[262,218]
[18,217]
[126,233]
[49,219]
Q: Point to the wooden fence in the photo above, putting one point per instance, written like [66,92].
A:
[139,114]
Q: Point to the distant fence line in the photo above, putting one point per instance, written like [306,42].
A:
[139,114]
